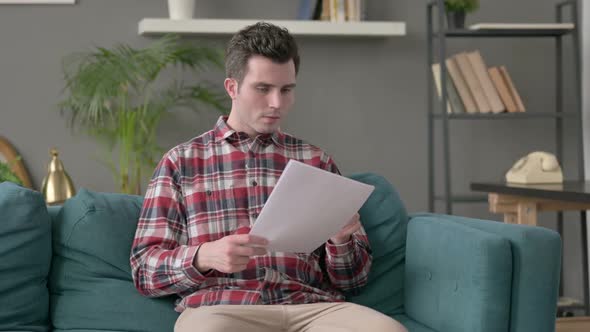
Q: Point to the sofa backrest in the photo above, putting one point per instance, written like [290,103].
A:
[25,255]
[385,220]
[90,282]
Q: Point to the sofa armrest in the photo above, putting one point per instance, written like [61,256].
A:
[457,278]
[532,269]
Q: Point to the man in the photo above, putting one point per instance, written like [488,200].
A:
[205,194]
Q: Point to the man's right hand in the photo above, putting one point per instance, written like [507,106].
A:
[229,254]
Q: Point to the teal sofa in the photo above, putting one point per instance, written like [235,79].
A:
[67,268]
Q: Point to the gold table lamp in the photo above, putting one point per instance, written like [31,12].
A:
[57,185]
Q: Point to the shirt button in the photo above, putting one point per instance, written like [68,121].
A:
[254,183]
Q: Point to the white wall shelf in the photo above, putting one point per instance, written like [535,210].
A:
[158,26]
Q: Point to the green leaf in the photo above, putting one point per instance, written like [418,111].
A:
[461,5]
[6,174]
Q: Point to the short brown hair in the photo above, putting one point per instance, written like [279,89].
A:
[264,39]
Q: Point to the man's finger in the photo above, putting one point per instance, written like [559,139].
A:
[349,229]
[243,239]
[356,218]
[249,251]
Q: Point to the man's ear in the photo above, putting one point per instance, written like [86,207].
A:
[231,86]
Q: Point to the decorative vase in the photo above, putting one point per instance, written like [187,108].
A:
[456,20]
[57,185]
[181,9]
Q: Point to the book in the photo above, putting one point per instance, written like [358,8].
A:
[454,104]
[461,86]
[524,26]
[453,96]
[353,10]
[326,11]
[317,13]
[307,9]
[483,106]
[502,88]
[340,10]
[437,82]
[513,92]
[481,71]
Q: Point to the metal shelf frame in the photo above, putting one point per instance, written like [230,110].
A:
[436,7]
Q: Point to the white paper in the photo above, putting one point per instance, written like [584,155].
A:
[308,206]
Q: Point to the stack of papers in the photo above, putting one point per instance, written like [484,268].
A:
[308,206]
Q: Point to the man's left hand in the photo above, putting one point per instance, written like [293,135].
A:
[346,232]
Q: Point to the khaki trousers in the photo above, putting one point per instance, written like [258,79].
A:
[289,318]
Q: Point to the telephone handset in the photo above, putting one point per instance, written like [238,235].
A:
[536,167]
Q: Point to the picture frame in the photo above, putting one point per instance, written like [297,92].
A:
[9,155]
[37,2]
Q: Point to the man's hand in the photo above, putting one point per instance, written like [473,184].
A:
[229,254]
[345,233]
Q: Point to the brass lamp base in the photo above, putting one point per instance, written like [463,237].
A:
[57,185]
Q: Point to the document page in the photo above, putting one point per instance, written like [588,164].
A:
[308,206]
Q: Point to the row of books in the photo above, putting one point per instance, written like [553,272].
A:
[332,10]
[472,87]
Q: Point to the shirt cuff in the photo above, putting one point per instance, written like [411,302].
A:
[343,249]
[189,269]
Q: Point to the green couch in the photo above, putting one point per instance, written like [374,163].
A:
[67,268]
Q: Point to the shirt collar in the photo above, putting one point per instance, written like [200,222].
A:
[223,131]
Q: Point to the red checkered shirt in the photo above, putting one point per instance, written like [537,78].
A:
[209,187]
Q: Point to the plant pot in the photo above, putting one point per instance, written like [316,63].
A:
[181,9]
[456,20]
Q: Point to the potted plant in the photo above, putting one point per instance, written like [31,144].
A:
[456,11]
[6,174]
[115,95]
[181,9]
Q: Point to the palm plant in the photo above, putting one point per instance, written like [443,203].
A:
[6,174]
[115,96]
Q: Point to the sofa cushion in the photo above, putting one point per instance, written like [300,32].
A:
[385,220]
[25,251]
[90,283]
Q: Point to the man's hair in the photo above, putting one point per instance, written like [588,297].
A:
[263,39]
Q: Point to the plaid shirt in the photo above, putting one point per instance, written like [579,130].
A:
[209,187]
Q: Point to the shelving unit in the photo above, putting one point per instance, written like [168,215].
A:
[440,35]
[158,26]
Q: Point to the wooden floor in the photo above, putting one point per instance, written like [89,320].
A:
[573,324]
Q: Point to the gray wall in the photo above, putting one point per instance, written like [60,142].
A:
[364,101]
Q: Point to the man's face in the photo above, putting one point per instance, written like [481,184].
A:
[264,97]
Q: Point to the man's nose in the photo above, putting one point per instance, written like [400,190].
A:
[275,99]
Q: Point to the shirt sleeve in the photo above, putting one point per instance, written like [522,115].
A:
[161,261]
[347,264]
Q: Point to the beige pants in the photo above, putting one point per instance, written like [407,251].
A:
[295,318]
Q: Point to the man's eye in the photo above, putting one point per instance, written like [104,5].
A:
[286,90]
[262,89]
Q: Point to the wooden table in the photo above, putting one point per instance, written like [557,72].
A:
[520,204]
